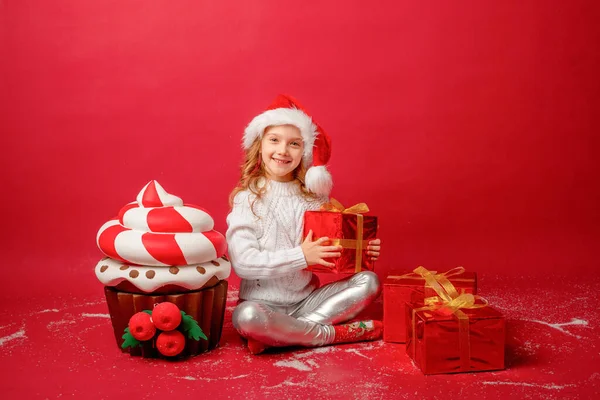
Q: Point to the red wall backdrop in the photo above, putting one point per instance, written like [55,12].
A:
[470,128]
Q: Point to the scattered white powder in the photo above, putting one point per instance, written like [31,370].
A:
[287,382]
[299,365]
[308,363]
[237,377]
[358,353]
[212,362]
[232,295]
[370,345]
[574,321]
[95,315]
[16,335]
[551,386]
[54,324]
[316,350]
[91,303]
[373,385]
[91,328]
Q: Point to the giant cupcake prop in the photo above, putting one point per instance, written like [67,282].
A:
[162,251]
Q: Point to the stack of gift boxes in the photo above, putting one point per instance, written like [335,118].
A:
[445,326]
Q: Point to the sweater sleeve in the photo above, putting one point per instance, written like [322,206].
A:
[247,259]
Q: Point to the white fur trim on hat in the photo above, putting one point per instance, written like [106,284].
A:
[318,180]
[283,116]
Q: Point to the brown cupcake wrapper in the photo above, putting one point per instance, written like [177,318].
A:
[206,306]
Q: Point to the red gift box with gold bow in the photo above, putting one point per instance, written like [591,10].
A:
[347,227]
[461,334]
[414,287]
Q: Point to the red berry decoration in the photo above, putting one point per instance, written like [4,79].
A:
[166,316]
[170,343]
[141,326]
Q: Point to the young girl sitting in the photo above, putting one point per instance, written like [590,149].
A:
[281,302]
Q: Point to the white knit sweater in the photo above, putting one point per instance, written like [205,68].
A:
[265,248]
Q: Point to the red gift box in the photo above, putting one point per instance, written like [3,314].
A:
[448,340]
[414,287]
[346,227]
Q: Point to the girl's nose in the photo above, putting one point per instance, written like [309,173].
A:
[282,148]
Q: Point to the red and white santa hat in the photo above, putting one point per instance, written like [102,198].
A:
[286,110]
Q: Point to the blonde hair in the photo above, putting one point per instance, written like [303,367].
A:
[253,170]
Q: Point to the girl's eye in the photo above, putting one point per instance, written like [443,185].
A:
[295,144]
[273,140]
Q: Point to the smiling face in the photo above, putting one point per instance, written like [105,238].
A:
[281,151]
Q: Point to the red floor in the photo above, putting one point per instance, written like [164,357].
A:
[64,348]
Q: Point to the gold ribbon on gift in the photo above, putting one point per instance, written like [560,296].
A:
[336,206]
[433,279]
[446,304]
[359,244]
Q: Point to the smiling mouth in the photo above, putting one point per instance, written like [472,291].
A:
[280,161]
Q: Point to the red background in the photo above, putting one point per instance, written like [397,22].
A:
[470,129]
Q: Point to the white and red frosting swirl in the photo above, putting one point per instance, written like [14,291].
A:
[148,279]
[159,230]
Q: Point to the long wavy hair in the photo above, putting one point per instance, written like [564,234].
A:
[253,170]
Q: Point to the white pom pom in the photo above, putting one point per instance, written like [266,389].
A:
[318,180]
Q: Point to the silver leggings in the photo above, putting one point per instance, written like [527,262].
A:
[308,323]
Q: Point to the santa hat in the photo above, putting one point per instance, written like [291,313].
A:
[286,110]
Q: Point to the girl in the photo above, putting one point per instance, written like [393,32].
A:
[281,302]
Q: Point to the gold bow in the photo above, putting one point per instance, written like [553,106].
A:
[435,280]
[358,243]
[336,206]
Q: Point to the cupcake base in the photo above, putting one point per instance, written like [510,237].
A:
[206,306]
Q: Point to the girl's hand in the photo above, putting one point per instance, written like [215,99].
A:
[315,252]
[374,248]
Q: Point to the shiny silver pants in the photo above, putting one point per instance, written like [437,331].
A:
[309,322]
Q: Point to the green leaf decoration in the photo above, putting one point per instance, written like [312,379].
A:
[130,341]
[191,327]
[362,325]
[149,312]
